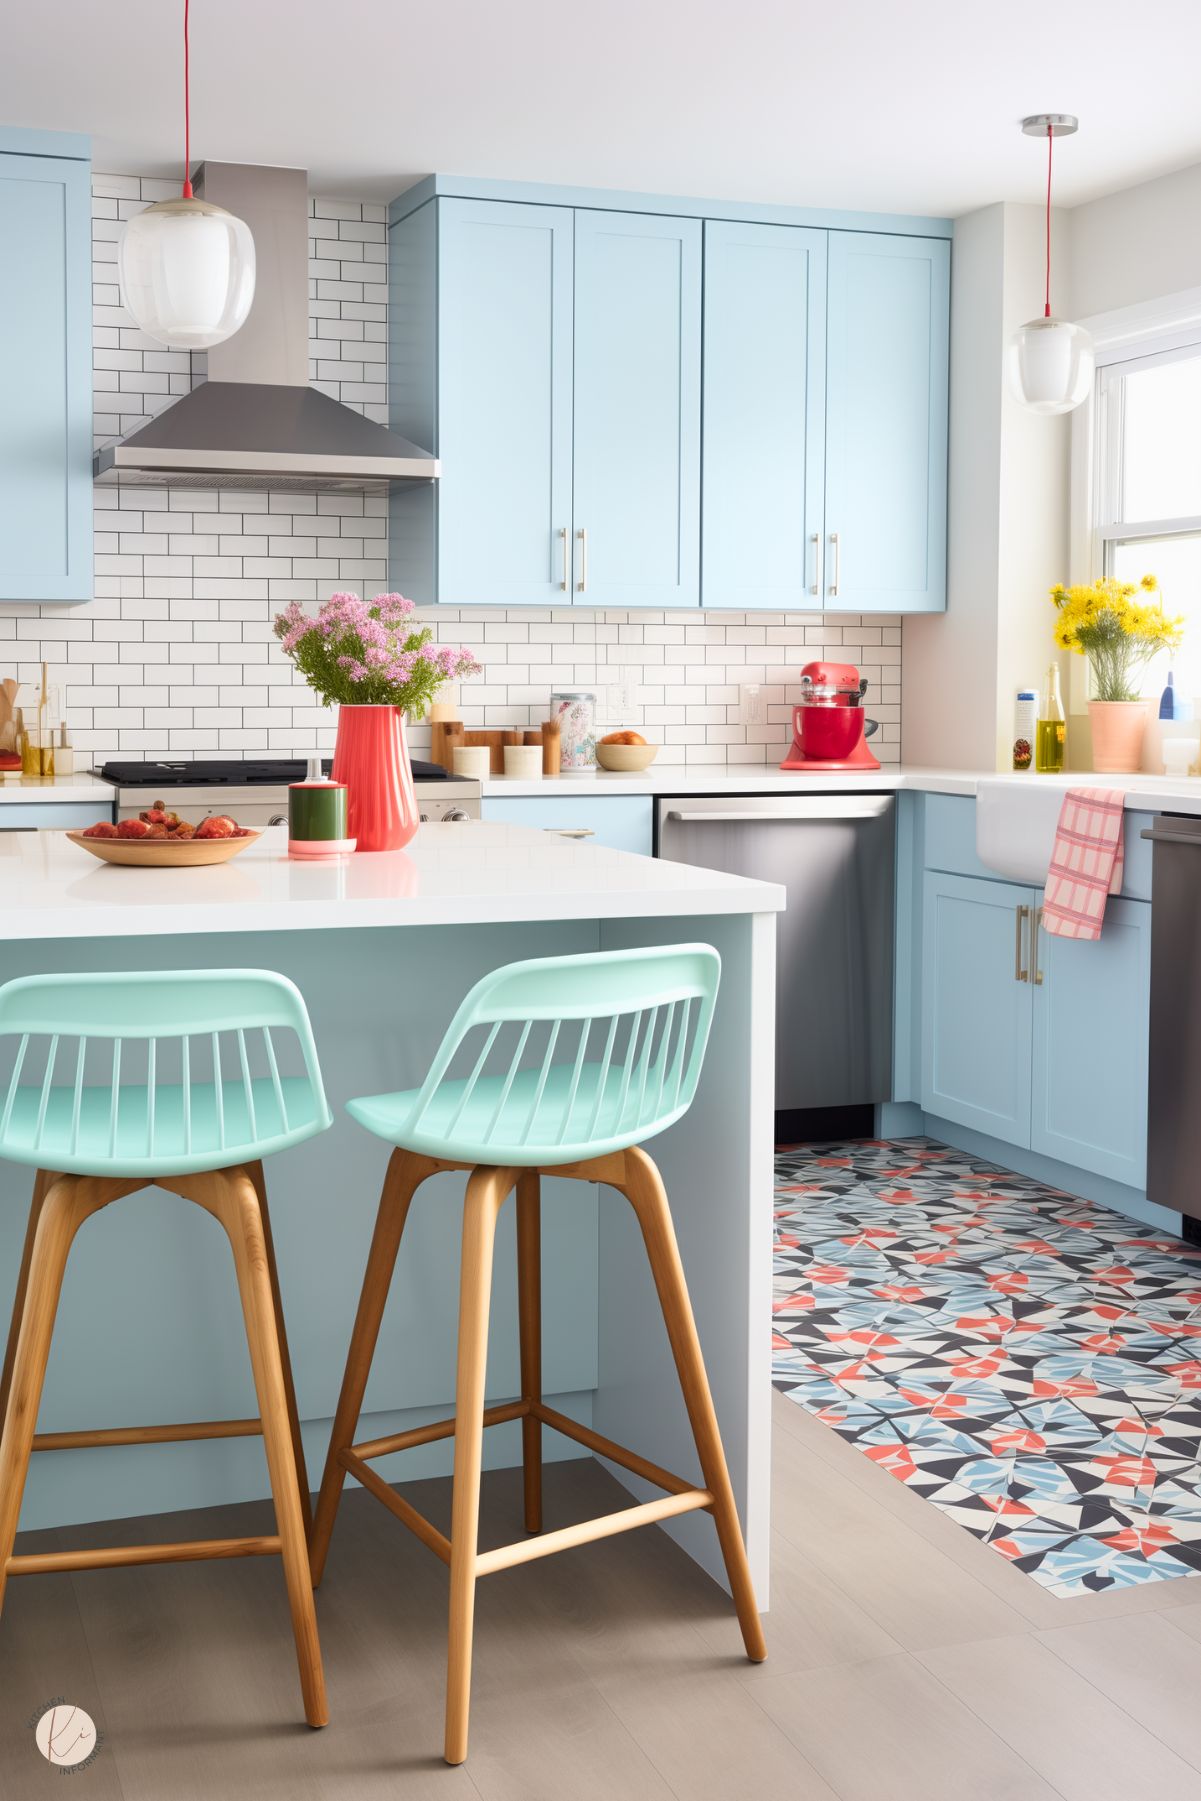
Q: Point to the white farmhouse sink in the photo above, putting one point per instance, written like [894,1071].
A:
[1016,818]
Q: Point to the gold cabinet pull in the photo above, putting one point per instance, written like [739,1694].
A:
[582,584]
[1036,974]
[1020,972]
[565,535]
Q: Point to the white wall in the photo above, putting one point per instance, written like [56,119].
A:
[1007,512]
[1139,244]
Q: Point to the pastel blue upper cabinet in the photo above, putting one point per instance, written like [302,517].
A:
[765,415]
[637,409]
[504,402]
[886,423]
[46,389]
[638,405]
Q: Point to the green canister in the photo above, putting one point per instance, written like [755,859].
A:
[317,816]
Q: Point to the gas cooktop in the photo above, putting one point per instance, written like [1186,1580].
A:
[254,772]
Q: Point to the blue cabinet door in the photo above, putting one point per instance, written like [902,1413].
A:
[617,821]
[637,410]
[504,403]
[886,423]
[764,415]
[1091,1026]
[46,387]
[975,1011]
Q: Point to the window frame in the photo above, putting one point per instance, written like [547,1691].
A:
[1162,330]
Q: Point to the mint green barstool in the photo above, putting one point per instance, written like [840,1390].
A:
[119,1082]
[568,1065]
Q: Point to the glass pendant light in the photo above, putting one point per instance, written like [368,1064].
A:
[186,267]
[1049,362]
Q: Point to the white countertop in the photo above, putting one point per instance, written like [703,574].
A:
[39,789]
[472,874]
[1148,793]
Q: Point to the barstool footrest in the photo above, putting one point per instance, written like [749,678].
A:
[40,1563]
[147,1435]
[682,1496]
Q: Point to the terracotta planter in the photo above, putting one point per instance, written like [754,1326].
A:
[1118,727]
[371,756]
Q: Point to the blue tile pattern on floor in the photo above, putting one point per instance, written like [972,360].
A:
[1027,1361]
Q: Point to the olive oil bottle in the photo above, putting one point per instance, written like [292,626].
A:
[1052,733]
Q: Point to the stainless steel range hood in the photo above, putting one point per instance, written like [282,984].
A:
[255,422]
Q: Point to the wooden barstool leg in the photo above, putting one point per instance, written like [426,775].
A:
[232,1196]
[643,1187]
[41,1183]
[529,1313]
[406,1172]
[255,1171]
[486,1191]
[61,1206]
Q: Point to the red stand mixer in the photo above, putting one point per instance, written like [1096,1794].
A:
[829,729]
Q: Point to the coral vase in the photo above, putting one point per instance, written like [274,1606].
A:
[1118,727]
[372,757]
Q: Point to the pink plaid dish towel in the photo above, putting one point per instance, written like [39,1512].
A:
[1086,863]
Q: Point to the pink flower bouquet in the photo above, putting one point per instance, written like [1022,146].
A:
[369,653]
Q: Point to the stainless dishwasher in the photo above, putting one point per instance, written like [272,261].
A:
[834,854]
[1174,1072]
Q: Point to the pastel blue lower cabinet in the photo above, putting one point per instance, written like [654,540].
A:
[62,816]
[765,415]
[617,821]
[1091,1027]
[46,384]
[637,470]
[887,359]
[976,1013]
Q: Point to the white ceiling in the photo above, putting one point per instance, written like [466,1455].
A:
[875,104]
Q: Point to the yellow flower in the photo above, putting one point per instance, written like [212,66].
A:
[1150,583]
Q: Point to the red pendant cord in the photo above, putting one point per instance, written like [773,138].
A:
[187,116]
[1050,141]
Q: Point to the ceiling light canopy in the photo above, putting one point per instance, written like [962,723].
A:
[1049,362]
[186,267]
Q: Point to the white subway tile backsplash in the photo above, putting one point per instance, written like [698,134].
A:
[177,654]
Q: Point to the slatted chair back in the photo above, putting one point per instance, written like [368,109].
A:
[150,1071]
[567,1057]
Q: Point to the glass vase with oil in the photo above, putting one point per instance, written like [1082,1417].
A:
[1051,736]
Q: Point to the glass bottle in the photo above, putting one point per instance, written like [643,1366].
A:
[1051,742]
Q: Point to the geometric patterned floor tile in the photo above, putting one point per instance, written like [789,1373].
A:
[1026,1361]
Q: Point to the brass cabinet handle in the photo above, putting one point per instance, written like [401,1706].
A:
[837,561]
[1036,974]
[816,542]
[1020,972]
[582,584]
[565,535]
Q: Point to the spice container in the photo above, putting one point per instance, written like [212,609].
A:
[1025,725]
[575,713]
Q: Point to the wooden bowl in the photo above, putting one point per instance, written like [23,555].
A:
[161,853]
[626,759]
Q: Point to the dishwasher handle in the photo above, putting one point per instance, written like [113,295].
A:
[832,807]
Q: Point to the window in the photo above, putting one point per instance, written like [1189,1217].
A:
[1148,506]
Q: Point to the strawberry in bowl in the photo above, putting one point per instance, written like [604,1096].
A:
[160,839]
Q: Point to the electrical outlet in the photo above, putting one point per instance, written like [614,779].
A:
[621,700]
[752,709]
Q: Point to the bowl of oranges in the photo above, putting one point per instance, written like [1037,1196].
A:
[625,753]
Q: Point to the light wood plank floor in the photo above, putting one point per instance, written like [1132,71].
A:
[907,1661]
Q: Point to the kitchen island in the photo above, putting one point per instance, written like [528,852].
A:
[383,948]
